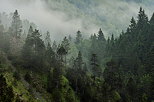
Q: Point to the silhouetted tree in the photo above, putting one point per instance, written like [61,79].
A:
[78,37]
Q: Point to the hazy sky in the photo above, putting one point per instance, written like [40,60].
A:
[60,17]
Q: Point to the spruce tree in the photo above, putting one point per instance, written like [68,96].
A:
[62,52]
[16,25]
[50,56]
[66,44]
[132,26]
[95,66]
[142,19]
[101,35]
[78,37]
[34,51]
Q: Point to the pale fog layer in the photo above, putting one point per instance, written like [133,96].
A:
[65,17]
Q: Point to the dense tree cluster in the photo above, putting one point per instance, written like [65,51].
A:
[84,70]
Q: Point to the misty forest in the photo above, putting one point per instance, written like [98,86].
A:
[72,51]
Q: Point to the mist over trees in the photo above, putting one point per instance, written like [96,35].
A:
[77,69]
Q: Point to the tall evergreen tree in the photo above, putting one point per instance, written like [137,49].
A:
[101,35]
[16,26]
[132,26]
[79,61]
[95,66]
[66,44]
[78,37]
[142,19]
[50,56]
[62,52]
[34,51]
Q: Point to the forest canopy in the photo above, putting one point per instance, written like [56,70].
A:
[77,68]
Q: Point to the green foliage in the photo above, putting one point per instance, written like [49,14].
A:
[33,53]
[28,77]
[66,44]
[16,75]
[127,62]
[6,92]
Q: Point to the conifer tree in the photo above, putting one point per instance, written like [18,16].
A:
[95,66]
[34,51]
[101,35]
[62,52]
[132,26]
[78,37]
[79,61]
[66,44]
[142,19]
[16,25]
[50,56]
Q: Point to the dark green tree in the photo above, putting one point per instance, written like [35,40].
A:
[62,52]
[66,44]
[50,56]
[33,51]
[131,88]
[78,37]
[132,26]
[79,61]
[101,35]
[142,19]
[95,66]
[112,75]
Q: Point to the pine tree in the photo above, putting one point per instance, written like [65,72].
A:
[50,56]
[132,26]
[79,61]
[78,37]
[62,52]
[95,66]
[142,19]
[95,48]
[101,35]
[131,89]
[33,51]
[112,75]
[16,26]
[66,44]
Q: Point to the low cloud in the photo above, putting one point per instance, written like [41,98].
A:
[58,22]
